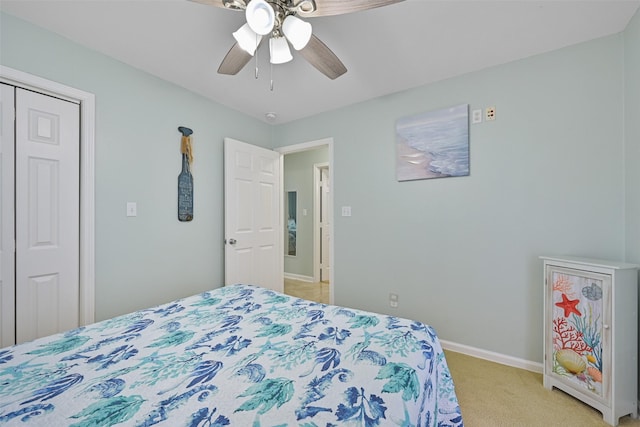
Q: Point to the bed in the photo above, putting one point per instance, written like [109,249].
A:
[235,356]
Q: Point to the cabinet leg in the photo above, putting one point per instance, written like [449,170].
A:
[546,383]
[609,418]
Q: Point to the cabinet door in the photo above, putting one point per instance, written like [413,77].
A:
[578,330]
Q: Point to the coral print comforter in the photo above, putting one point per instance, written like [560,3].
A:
[235,356]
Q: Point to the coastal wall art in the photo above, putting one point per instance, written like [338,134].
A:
[433,144]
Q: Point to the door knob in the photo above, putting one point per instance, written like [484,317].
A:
[232,241]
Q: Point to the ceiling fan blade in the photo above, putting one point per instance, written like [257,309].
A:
[234,60]
[339,7]
[225,4]
[321,57]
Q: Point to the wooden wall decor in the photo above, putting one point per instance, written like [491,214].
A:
[185,179]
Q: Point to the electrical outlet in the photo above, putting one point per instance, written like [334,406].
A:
[393,300]
[490,114]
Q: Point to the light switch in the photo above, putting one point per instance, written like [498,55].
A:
[476,116]
[304,212]
[132,209]
[346,211]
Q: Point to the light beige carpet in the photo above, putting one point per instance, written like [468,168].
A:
[495,395]
[318,292]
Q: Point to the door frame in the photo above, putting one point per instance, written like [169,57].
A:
[305,146]
[86,100]
[317,236]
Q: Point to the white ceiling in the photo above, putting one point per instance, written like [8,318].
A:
[385,50]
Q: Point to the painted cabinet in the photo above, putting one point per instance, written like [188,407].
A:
[591,333]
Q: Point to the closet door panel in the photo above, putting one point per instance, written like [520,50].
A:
[47,206]
[7,226]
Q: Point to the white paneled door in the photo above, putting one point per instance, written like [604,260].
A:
[253,253]
[47,206]
[7,224]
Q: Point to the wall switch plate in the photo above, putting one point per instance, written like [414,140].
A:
[490,114]
[476,116]
[393,300]
[132,209]
[346,211]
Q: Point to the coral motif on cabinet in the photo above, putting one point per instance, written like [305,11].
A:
[577,330]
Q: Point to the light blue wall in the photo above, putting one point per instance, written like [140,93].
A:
[152,258]
[632,136]
[547,177]
[298,176]
[632,142]
[462,253]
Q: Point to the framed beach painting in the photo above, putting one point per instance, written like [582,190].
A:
[433,145]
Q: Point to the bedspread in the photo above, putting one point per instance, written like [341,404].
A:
[238,355]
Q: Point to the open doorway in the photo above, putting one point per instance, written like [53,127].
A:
[307,217]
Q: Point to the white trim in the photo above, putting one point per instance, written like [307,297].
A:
[305,146]
[317,167]
[491,356]
[299,277]
[289,149]
[87,175]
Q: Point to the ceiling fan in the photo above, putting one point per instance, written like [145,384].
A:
[280,21]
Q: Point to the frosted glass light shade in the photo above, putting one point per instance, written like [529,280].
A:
[298,32]
[279,49]
[247,39]
[260,16]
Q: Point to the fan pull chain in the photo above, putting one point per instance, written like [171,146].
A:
[256,56]
[271,84]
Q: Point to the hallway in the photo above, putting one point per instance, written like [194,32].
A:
[318,292]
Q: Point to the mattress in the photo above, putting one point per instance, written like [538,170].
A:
[235,356]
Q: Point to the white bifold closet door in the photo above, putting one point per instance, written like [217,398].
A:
[47,214]
[7,220]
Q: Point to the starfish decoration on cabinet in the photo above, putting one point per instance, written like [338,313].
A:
[569,306]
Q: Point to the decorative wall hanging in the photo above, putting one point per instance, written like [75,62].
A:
[433,145]
[185,179]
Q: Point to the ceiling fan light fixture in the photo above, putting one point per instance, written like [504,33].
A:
[260,16]
[234,4]
[306,6]
[279,49]
[247,39]
[297,31]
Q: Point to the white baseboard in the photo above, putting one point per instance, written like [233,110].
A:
[299,277]
[492,356]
